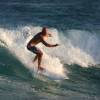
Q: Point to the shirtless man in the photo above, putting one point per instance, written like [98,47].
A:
[40,37]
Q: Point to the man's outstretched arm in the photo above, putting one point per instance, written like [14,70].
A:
[49,45]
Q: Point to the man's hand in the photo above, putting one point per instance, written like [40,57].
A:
[56,45]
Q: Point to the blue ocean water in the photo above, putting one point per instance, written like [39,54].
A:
[76,26]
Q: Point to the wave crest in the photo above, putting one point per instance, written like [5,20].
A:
[70,50]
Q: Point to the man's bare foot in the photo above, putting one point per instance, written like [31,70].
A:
[40,68]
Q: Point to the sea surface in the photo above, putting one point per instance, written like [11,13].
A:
[72,68]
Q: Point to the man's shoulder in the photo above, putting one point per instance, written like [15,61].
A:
[39,33]
[38,36]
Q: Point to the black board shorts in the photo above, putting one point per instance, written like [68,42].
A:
[34,50]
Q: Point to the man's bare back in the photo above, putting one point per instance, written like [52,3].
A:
[40,37]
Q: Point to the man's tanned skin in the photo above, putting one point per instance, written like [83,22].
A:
[40,37]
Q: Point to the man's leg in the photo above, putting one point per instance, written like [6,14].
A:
[35,58]
[39,61]
[38,56]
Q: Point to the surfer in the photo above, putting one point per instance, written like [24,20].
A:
[39,37]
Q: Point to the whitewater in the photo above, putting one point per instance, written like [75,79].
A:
[72,68]
[70,51]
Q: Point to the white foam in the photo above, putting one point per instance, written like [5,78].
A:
[86,44]
[16,43]
[67,52]
[2,44]
[70,51]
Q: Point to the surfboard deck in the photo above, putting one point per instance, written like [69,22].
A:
[47,73]
[42,76]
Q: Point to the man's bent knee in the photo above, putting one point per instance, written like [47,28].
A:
[40,54]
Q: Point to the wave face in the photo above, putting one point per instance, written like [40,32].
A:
[73,68]
[16,42]
[56,60]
